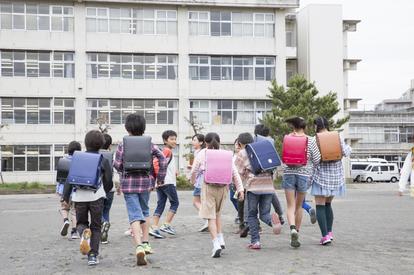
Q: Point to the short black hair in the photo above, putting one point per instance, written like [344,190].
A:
[200,138]
[168,133]
[108,141]
[94,140]
[261,129]
[135,124]
[297,122]
[245,138]
[74,146]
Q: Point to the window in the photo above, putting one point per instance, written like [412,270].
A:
[37,64]
[375,169]
[59,151]
[37,111]
[132,21]
[25,158]
[359,166]
[131,66]
[384,168]
[114,111]
[231,68]
[32,16]
[236,112]
[391,168]
[225,23]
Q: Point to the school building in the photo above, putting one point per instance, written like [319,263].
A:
[386,131]
[71,66]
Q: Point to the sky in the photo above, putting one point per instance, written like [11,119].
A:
[384,41]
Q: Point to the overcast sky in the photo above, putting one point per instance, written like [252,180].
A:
[384,41]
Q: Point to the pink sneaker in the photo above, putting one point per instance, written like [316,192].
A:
[277,226]
[325,240]
[255,246]
[330,234]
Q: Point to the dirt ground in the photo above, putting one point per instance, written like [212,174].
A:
[374,234]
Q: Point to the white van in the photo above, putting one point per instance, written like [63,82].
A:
[358,166]
[380,172]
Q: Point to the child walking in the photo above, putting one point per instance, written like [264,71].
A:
[168,190]
[259,192]
[198,144]
[296,179]
[67,209]
[328,181]
[106,153]
[90,202]
[213,196]
[136,188]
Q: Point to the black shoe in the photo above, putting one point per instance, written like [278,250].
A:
[282,220]
[244,232]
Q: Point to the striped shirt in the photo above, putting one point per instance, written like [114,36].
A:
[258,184]
[330,174]
[139,183]
[314,157]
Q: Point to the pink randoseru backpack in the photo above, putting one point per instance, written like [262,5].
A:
[218,167]
[295,150]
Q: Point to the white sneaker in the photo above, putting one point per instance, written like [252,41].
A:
[65,227]
[128,233]
[216,249]
[204,228]
[220,239]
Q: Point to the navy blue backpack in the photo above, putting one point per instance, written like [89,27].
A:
[263,156]
[85,170]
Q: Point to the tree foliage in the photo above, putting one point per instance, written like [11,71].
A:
[301,98]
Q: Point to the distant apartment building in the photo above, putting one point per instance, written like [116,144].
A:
[387,131]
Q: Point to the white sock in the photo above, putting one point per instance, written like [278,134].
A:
[216,243]
[220,238]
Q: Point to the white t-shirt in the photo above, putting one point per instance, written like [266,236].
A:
[171,176]
[82,195]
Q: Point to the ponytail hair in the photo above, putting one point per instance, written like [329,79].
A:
[213,141]
[297,122]
[321,123]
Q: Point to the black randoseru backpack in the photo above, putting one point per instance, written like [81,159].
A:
[62,168]
[137,154]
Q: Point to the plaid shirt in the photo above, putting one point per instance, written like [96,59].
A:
[258,184]
[330,175]
[138,183]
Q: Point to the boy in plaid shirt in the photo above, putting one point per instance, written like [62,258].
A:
[137,188]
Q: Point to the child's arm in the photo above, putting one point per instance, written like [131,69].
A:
[238,182]
[346,149]
[67,190]
[107,175]
[118,161]
[405,174]
[195,169]
[314,150]
[162,161]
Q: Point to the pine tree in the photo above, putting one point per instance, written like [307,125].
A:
[300,99]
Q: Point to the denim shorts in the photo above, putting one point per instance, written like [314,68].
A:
[296,182]
[197,192]
[137,206]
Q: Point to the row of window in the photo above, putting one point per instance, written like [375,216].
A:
[132,21]
[30,157]
[383,134]
[114,111]
[232,68]
[136,66]
[226,23]
[32,16]
[37,64]
[38,110]
[132,66]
